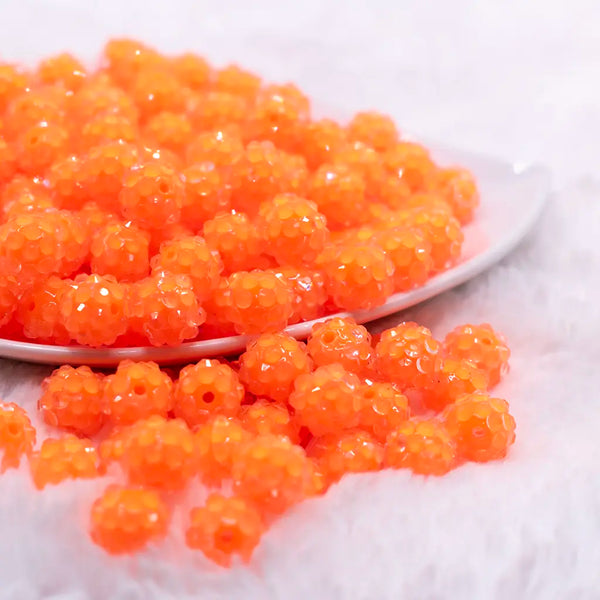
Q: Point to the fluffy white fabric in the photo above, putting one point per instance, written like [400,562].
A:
[497,77]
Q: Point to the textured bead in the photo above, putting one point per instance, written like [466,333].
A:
[482,346]
[482,426]
[293,229]
[155,90]
[13,81]
[217,110]
[411,163]
[221,148]
[320,140]
[17,435]
[357,276]
[159,453]
[126,519]
[69,457]
[192,257]
[264,417]
[206,388]
[93,310]
[137,390]
[223,527]
[234,80]
[62,68]
[364,160]
[255,302]
[343,341]
[406,355]
[422,445]
[272,472]
[164,309]
[123,58]
[272,363]
[374,129]
[383,408]
[459,189]
[169,130]
[327,400]
[192,71]
[72,400]
[9,298]
[107,127]
[336,454]
[120,250]
[39,145]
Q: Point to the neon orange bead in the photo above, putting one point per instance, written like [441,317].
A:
[124,57]
[62,68]
[217,110]
[17,435]
[13,81]
[406,355]
[482,426]
[169,130]
[206,388]
[308,287]
[482,346]
[293,229]
[155,90]
[341,341]
[164,309]
[192,71]
[272,363]
[125,520]
[255,301]
[221,148]
[9,298]
[72,400]
[104,128]
[8,160]
[273,473]
[69,457]
[266,417]
[336,454]
[120,250]
[65,179]
[192,257]
[327,400]
[320,141]
[225,526]
[219,441]
[39,311]
[31,107]
[422,445]
[234,80]
[364,160]
[159,453]
[137,390]
[357,276]
[374,129]
[383,408]
[93,310]
[235,238]
[99,97]
[411,163]
[39,146]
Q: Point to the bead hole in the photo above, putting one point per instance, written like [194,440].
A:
[208,397]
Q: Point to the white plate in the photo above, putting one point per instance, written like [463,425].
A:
[512,199]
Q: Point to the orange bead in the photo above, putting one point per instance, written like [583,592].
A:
[95,98]
[124,58]
[31,107]
[169,130]
[206,388]
[217,110]
[482,346]
[482,427]
[320,141]
[294,230]
[357,276]
[383,409]
[69,457]
[191,70]
[120,250]
[411,163]
[64,69]
[65,178]
[17,435]
[9,298]
[164,309]
[155,90]
[26,194]
[192,257]
[223,527]
[273,473]
[459,188]
[13,81]
[255,302]
[339,192]
[104,128]
[327,400]
[137,390]
[103,170]
[374,129]
[168,233]
[219,441]
[410,252]
[452,379]
[235,237]
[406,355]
[272,363]
[39,311]
[93,310]
[159,453]
[308,287]
[40,145]
[421,445]
[206,194]
[125,520]
[266,417]
[72,400]
[234,80]
[221,148]
[342,341]
[336,454]
[8,160]
[364,160]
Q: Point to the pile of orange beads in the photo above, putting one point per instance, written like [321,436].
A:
[279,425]
[156,200]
